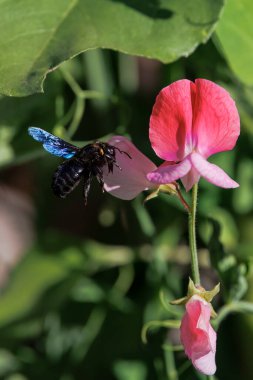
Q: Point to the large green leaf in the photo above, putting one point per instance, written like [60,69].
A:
[66,261]
[235,35]
[36,36]
[32,278]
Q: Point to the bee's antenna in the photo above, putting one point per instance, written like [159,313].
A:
[122,151]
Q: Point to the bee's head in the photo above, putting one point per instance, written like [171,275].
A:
[110,150]
[104,149]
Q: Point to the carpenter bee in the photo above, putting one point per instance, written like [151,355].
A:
[81,163]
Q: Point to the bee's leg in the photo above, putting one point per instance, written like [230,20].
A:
[111,164]
[86,187]
[98,173]
[111,161]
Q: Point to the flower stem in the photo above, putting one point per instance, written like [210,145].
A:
[238,307]
[180,196]
[192,236]
[170,365]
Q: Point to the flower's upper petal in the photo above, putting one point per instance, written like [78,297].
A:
[130,180]
[171,121]
[212,173]
[216,123]
[167,173]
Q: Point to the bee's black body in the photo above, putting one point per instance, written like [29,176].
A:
[67,177]
[86,164]
[81,164]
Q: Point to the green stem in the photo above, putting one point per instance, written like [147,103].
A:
[88,334]
[234,307]
[170,365]
[77,117]
[192,236]
[78,91]
[171,323]
[71,81]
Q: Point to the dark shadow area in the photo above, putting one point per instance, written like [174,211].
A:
[150,8]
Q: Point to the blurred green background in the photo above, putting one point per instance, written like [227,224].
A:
[78,283]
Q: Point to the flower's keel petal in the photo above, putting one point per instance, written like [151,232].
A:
[167,173]
[206,364]
[190,179]
[171,121]
[216,123]
[212,173]
[129,179]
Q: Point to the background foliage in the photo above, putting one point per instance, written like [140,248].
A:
[78,283]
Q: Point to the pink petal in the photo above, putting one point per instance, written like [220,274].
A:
[216,123]
[167,173]
[194,328]
[131,180]
[198,336]
[190,179]
[211,172]
[171,121]
[206,364]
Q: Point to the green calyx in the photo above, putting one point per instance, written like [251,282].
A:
[198,290]
[170,189]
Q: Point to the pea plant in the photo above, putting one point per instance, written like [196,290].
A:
[126,189]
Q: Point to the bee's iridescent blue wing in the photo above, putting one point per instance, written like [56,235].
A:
[53,144]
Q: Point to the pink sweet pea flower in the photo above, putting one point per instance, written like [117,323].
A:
[130,178]
[190,122]
[197,335]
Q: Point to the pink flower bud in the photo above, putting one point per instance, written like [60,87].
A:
[197,335]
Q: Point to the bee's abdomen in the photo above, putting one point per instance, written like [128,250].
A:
[67,177]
